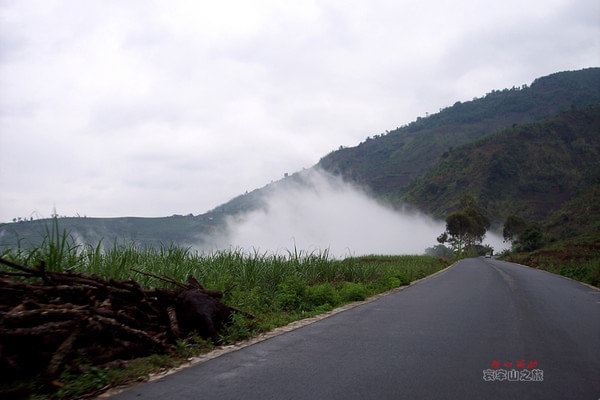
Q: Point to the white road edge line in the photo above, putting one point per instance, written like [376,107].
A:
[222,350]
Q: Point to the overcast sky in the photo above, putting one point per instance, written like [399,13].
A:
[155,108]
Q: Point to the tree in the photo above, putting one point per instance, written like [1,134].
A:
[465,228]
[524,236]
[443,238]
[479,225]
[531,239]
[479,221]
[513,228]
[458,225]
[439,250]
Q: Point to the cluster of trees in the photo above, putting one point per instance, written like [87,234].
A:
[465,228]
[524,236]
[515,99]
[439,250]
[53,215]
[22,219]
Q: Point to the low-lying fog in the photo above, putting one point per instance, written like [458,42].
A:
[320,211]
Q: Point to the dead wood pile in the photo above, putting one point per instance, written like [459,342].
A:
[49,320]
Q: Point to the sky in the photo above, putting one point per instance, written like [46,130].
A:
[141,108]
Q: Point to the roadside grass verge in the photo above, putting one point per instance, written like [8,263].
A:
[577,258]
[275,288]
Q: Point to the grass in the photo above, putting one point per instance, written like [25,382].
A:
[276,288]
[577,258]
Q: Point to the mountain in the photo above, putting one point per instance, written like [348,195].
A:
[388,164]
[531,170]
[145,231]
[423,163]
[578,216]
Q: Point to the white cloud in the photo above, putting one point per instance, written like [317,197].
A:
[320,212]
[317,211]
[152,108]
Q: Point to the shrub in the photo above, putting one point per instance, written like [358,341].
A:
[322,294]
[350,291]
[404,278]
[290,294]
[238,329]
[390,282]
[531,239]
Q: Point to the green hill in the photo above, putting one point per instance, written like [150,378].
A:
[532,170]
[388,164]
[186,230]
[145,231]
[578,216]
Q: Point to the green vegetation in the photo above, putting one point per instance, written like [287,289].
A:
[523,236]
[389,164]
[466,227]
[275,289]
[465,230]
[577,258]
[154,232]
[576,217]
[513,227]
[530,171]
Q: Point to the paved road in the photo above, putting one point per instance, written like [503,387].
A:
[430,341]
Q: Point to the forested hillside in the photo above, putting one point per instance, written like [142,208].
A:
[531,170]
[389,163]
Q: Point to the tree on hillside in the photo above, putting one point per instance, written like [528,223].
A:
[523,236]
[479,221]
[458,226]
[465,228]
[439,250]
[513,227]
[531,239]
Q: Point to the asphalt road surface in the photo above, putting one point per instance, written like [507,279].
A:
[432,340]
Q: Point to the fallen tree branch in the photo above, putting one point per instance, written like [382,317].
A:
[48,319]
[161,278]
